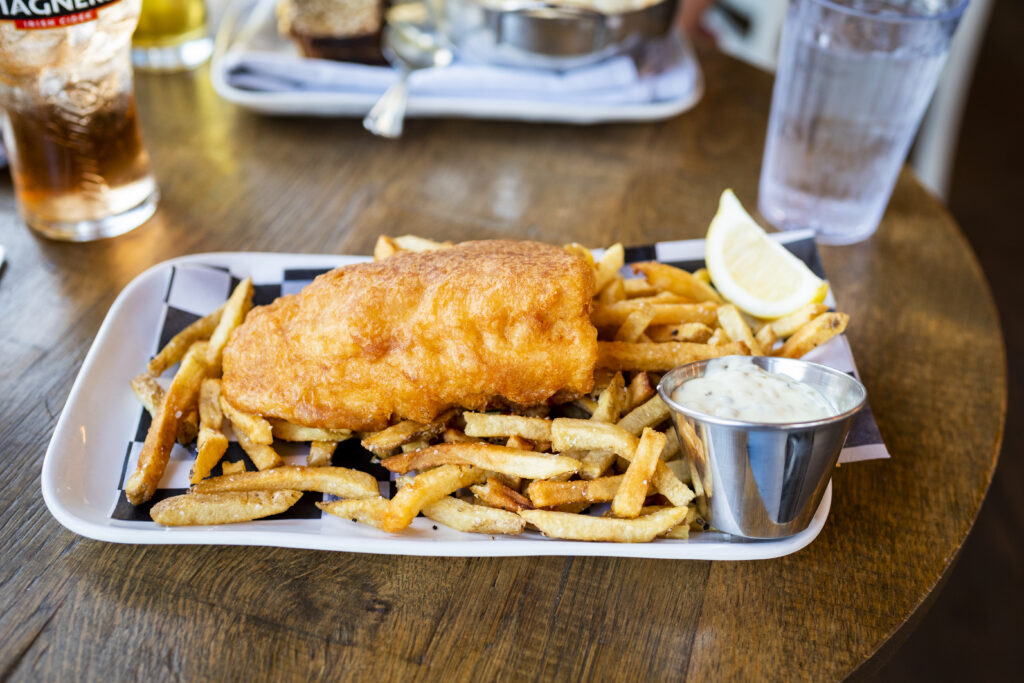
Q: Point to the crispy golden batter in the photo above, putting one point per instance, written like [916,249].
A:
[417,333]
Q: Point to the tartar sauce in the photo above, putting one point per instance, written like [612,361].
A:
[733,387]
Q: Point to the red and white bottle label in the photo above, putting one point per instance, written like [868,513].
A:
[32,14]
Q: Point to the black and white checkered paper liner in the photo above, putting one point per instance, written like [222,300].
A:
[195,290]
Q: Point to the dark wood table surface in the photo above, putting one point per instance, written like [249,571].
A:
[924,332]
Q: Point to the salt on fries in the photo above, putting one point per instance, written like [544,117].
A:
[483,472]
[338,481]
[222,508]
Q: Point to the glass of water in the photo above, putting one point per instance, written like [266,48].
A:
[853,81]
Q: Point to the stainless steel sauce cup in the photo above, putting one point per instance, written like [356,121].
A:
[766,480]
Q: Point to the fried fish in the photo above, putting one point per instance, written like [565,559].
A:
[418,333]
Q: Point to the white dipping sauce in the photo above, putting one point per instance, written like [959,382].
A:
[733,387]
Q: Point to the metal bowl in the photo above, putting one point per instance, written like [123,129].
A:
[766,480]
[525,33]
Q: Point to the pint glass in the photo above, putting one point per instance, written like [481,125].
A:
[78,164]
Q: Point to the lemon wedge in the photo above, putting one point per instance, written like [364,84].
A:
[752,271]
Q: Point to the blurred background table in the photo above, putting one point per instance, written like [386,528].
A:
[924,331]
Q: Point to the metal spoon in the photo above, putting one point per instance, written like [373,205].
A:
[407,47]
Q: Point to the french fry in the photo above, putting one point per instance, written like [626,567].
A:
[766,337]
[262,455]
[151,396]
[688,332]
[581,251]
[610,315]
[637,287]
[703,275]
[550,494]
[519,443]
[718,338]
[413,446]
[587,528]
[289,431]
[338,481]
[417,243]
[610,404]
[660,357]
[235,310]
[221,508]
[320,453]
[587,405]
[635,324]
[568,434]
[476,519]
[367,510]
[257,430]
[613,291]
[677,281]
[228,467]
[384,248]
[486,456]
[639,391]
[389,246]
[669,485]
[787,325]
[681,469]
[456,436]
[680,531]
[659,298]
[731,320]
[212,443]
[498,495]
[608,267]
[180,398]
[694,447]
[175,349]
[493,425]
[424,489]
[816,332]
[695,482]
[149,392]
[649,414]
[633,490]
[671,448]
[387,441]
[595,463]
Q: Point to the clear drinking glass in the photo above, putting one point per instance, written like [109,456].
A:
[79,167]
[171,35]
[853,81]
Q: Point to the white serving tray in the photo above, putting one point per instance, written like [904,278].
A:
[86,457]
[250,24]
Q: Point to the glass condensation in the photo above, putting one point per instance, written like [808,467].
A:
[853,82]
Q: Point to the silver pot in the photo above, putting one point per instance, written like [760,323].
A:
[525,33]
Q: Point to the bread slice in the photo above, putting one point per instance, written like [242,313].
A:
[342,30]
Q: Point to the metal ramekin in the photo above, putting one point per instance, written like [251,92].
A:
[538,34]
[766,480]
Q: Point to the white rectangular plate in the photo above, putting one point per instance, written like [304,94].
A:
[87,457]
[250,25]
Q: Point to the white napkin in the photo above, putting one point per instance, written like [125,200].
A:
[668,71]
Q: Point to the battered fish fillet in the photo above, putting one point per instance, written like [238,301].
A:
[417,333]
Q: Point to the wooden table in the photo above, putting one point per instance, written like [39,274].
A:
[924,332]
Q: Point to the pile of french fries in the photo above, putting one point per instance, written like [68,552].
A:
[607,466]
